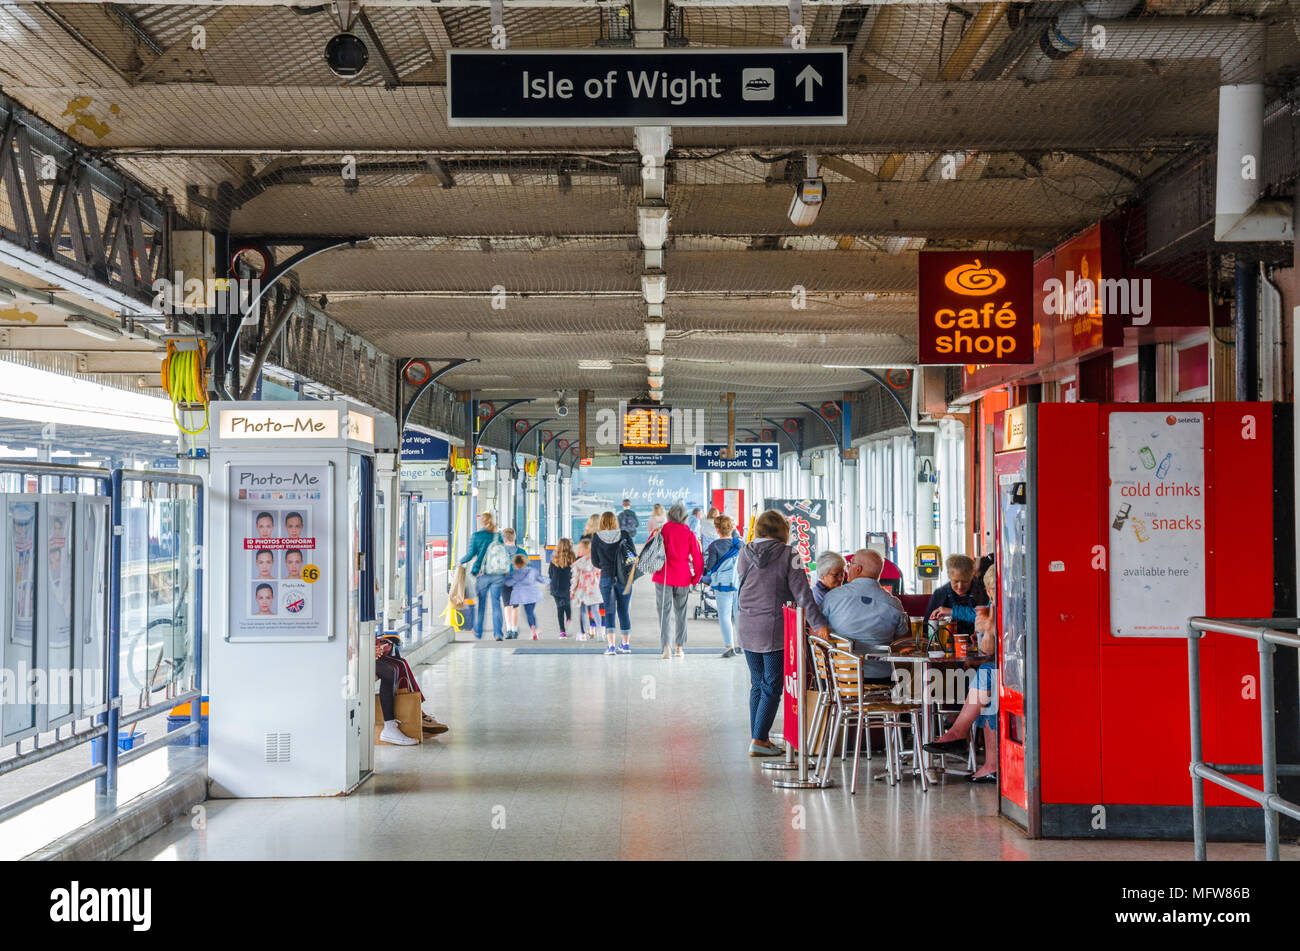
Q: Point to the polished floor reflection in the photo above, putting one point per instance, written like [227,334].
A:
[564,756]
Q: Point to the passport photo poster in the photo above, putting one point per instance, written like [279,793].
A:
[1157,522]
[279,552]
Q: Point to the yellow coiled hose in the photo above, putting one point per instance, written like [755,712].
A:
[183,379]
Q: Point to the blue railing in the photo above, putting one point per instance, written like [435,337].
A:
[107,719]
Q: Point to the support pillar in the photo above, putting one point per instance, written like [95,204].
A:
[1147,373]
[1245,326]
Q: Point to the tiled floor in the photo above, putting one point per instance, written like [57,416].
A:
[590,757]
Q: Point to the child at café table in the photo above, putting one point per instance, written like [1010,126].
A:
[980,708]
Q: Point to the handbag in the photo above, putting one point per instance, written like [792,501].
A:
[457,593]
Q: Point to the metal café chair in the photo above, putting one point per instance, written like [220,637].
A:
[855,706]
[943,709]
[817,723]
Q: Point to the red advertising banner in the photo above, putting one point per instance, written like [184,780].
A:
[793,689]
[804,515]
[975,307]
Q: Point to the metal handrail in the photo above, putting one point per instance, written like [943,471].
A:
[109,718]
[1264,632]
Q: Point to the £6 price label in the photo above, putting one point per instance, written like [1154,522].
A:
[310,573]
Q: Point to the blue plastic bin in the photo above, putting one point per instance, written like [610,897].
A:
[180,717]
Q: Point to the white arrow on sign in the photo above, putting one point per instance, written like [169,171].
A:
[807,78]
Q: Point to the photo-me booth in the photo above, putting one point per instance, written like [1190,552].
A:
[1116,523]
[293,609]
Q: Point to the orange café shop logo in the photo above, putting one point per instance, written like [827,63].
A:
[975,310]
[974,280]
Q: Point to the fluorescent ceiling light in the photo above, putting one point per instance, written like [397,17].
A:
[872,366]
[652,225]
[91,329]
[656,380]
[594,365]
[654,333]
[654,287]
[654,362]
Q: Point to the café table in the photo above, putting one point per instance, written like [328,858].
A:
[924,662]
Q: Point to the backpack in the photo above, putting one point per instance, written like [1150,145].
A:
[626,558]
[723,576]
[496,561]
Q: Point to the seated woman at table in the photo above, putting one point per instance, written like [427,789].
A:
[981,706]
[958,599]
[830,574]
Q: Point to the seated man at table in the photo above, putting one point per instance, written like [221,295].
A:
[864,613]
[959,598]
[981,706]
[830,574]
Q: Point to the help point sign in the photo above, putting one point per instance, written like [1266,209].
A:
[975,307]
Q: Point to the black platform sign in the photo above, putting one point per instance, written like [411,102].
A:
[647,87]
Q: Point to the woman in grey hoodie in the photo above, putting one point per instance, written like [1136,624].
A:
[769,574]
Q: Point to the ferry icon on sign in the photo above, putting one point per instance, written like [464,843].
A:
[758,85]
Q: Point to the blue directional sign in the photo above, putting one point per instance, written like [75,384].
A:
[622,87]
[654,459]
[421,447]
[750,457]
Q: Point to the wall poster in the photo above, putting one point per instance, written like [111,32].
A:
[1157,522]
[280,552]
[805,517]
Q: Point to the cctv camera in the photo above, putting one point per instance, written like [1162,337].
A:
[807,202]
[561,405]
[346,55]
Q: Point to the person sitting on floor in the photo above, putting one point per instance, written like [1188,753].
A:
[865,614]
[394,674]
[830,574]
[980,708]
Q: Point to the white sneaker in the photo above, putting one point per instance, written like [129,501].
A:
[667,653]
[392,733]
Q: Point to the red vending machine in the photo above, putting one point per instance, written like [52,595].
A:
[1117,522]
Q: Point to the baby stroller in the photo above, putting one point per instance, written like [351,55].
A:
[708,606]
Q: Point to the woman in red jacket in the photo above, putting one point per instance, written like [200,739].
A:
[683,568]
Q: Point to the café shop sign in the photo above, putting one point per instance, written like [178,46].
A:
[975,307]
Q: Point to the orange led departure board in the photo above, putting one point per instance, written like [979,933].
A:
[646,429]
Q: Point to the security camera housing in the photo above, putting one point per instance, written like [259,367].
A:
[346,55]
[807,201]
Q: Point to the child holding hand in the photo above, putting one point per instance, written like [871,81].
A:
[525,589]
[585,594]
